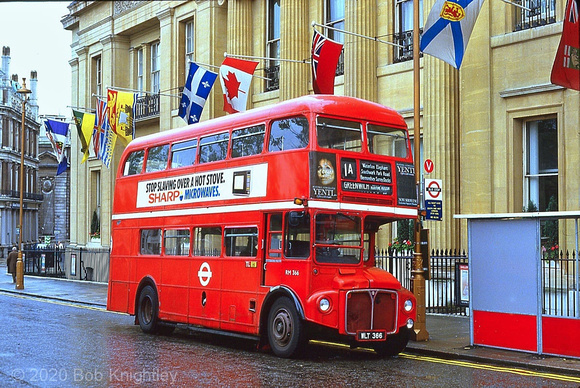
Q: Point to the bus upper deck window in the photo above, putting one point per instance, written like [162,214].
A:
[184,153]
[339,134]
[387,141]
[288,134]
[248,141]
[213,148]
[157,158]
[134,163]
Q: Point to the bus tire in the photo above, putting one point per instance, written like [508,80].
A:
[285,329]
[394,344]
[148,310]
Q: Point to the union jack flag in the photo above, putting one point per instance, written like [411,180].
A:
[101,125]
[325,54]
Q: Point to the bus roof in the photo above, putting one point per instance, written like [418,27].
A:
[332,105]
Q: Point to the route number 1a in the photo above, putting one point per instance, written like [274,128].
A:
[348,169]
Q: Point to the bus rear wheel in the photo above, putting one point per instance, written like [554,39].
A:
[148,310]
[285,329]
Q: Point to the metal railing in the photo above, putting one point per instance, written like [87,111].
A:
[560,278]
[147,106]
[273,73]
[441,286]
[46,261]
[541,12]
[405,39]
[16,194]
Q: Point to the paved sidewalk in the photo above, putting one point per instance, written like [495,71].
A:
[448,335]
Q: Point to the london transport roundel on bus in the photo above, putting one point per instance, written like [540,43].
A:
[204,274]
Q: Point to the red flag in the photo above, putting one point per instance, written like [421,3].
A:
[325,54]
[235,77]
[566,68]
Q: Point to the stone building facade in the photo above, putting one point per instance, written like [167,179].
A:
[501,136]
[10,154]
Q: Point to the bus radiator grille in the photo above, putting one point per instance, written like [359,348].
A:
[371,310]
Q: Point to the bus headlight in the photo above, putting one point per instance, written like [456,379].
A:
[324,305]
[410,323]
[408,305]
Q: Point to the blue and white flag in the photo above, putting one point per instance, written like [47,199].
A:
[197,87]
[448,28]
[57,133]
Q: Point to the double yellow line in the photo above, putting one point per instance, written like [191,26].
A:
[515,371]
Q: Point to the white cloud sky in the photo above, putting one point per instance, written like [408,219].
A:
[37,41]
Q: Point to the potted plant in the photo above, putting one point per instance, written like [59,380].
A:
[95,233]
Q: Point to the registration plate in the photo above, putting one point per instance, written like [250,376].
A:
[371,335]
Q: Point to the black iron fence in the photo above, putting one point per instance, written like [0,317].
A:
[560,279]
[442,287]
[44,260]
[147,106]
[538,13]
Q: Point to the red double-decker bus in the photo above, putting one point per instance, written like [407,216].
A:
[264,224]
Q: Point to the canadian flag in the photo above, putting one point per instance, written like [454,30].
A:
[235,77]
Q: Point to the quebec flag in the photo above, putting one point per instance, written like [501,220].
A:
[197,87]
[448,28]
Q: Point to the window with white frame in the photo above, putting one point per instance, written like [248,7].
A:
[155,68]
[541,163]
[334,17]
[140,68]
[189,44]
[404,28]
[98,76]
[273,44]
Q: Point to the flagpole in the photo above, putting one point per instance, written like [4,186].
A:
[217,67]
[307,61]
[517,5]
[420,330]
[140,91]
[355,34]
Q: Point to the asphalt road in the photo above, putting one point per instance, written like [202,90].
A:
[53,344]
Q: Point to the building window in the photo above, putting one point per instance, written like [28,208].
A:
[97,68]
[273,45]
[541,12]
[189,44]
[541,165]
[334,17]
[140,68]
[155,68]
[404,29]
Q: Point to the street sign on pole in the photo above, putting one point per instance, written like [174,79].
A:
[433,199]
[428,166]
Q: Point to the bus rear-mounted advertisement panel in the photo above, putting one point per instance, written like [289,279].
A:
[214,185]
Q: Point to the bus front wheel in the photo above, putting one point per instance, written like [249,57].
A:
[394,344]
[285,329]
[148,309]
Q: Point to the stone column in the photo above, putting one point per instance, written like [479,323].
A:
[294,44]
[440,101]
[211,44]
[239,34]
[360,71]
[80,69]
[168,65]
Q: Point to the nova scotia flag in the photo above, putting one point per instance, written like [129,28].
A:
[448,28]
[197,87]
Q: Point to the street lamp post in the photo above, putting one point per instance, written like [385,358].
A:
[19,263]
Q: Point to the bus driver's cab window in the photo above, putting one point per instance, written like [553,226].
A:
[297,235]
